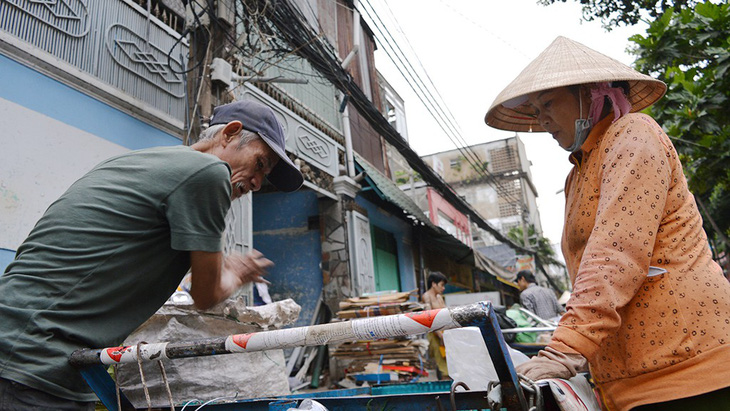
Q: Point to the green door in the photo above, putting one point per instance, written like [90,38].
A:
[385,260]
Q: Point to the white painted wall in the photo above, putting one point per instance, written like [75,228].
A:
[39,159]
[453,300]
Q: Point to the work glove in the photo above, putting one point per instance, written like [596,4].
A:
[551,363]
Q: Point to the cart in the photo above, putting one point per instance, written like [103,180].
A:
[517,394]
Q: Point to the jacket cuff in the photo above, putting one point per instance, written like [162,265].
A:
[569,341]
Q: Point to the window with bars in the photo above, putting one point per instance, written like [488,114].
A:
[503,159]
[510,198]
[508,209]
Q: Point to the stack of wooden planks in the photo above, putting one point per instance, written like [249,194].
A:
[404,350]
[388,360]
[377,305]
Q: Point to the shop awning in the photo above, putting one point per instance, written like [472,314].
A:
[388,191]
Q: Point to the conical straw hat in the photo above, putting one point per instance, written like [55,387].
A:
[564,63]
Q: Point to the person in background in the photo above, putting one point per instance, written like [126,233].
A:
[113,248]
[433,298]
[539,300]
[650,309]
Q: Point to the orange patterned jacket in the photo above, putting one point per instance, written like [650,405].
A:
[648,335]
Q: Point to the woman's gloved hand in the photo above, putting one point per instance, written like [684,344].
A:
[550,363]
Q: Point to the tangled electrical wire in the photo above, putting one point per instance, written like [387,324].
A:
[277,29]
[284,20]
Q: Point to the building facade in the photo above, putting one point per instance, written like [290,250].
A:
[495,179]
[83,81]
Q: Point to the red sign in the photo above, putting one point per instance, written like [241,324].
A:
[446,216]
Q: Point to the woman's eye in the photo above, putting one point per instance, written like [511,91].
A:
[259,165]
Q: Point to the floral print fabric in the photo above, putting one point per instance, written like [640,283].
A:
[628,208]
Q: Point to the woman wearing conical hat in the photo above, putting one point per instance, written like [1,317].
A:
[650,309]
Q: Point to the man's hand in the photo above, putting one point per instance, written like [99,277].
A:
[248,268]
[215,278]
[550,363]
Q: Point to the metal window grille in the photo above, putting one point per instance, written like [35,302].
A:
[238,237]
[509,192]
[503,159]
[114,43]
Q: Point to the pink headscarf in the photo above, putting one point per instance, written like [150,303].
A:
[619,101]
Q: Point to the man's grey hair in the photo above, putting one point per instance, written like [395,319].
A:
[210,132]
[246,136]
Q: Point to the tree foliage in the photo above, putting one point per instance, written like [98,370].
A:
[690,51]
[545,253]
[538,243]
[614,13]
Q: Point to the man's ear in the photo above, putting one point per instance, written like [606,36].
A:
[231,130]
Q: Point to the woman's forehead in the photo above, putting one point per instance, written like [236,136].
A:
[543,94]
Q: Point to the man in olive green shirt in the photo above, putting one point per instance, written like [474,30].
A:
[113,248]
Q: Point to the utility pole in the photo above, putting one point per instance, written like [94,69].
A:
[211,27]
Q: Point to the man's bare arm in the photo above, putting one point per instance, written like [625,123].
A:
[215,278]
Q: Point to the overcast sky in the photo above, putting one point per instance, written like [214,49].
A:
[471,49]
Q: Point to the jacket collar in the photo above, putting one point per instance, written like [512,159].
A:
[594,137]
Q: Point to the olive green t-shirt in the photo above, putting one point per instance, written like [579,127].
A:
[104,257]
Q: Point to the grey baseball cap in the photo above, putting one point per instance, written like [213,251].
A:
[260,119]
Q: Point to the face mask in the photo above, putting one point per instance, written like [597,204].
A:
[582,128]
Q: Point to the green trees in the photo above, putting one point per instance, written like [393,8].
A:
[545,255]
[627,12]
[690,51]
[687,46]
[540,244]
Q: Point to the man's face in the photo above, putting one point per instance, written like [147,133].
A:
[522,283]
[250,164]
[439,287]
[557,109]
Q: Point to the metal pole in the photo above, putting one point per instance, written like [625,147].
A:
[363,329]
[93,362]
[513,397]
[348,140]
[528,330]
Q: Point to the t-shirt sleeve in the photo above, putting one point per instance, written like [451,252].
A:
[197,208]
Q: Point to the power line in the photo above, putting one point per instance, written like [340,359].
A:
[466,151]
[486,30]
[290,29]
[258,60]
[445,115]
[442,117]
[400,30]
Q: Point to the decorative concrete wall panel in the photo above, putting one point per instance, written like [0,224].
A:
[302,139]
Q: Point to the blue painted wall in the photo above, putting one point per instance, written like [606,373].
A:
[6,257]
[402,233]
[281,234]
[33,90]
